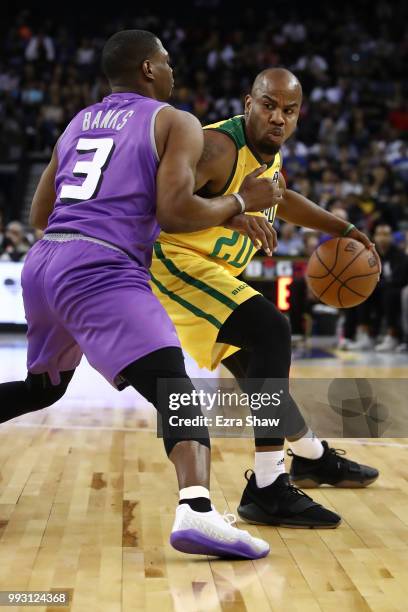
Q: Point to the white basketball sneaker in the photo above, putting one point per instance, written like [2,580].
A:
[388,345]
[210,533]
[363,343]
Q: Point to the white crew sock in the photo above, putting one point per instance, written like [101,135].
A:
[193,492]
[309,446]
[268,466]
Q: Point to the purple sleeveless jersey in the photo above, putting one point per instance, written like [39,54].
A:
[106,178]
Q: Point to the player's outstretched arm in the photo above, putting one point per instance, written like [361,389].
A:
[297,209]
[44,196]
[178,209]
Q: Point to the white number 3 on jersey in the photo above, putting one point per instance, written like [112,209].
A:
[92,169]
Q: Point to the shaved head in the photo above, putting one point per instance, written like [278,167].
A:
[272,110]
[276,78]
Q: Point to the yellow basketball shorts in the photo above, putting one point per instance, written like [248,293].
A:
[198,294]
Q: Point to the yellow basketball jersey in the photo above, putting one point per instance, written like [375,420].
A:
[227,247]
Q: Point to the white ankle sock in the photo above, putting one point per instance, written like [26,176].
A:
[268,466]
[309,446]
[194,491]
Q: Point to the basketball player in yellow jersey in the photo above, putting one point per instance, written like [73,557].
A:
[221,319]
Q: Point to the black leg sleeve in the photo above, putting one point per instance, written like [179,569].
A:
[161,378]
[34,393]
[263,332]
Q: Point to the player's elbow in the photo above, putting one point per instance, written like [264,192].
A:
[172,218]
[166,226]
[37,221]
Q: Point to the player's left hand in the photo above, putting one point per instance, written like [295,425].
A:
[257,228]
[360,237]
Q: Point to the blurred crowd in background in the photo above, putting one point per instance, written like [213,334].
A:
[349,154]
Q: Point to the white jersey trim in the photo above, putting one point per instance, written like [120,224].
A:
[152,138]
[68,237]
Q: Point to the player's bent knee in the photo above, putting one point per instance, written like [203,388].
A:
[276,329]
[43,392]
[162,379]
[268,324]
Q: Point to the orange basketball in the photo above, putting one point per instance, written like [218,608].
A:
[342,272]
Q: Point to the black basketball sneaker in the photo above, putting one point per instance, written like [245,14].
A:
[331,468]
[283,504]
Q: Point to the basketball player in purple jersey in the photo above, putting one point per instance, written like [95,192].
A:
[123,168]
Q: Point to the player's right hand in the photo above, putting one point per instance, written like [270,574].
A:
[259,193]
[258,229]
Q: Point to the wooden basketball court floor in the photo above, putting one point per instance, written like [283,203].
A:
[87,500]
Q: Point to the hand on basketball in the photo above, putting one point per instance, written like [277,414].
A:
[360,237]
[258,229]
[342,272]
[259,193]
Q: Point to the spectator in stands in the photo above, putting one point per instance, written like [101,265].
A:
[290,242]
[85,55]
[337,208]
[351,184]
[1,230]
[294,30]
[384,304]
[15,243]
[51,122]
[40,49]
[403,347]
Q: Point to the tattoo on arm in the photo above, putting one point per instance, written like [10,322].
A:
[215,161]
[209,152]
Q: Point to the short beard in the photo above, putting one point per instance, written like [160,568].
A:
[268,148]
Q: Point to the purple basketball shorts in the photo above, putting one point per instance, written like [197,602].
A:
[85,298]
